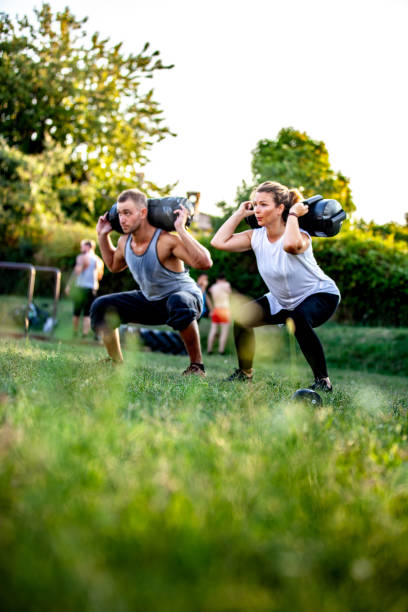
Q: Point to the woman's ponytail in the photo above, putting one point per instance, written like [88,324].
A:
[294,196]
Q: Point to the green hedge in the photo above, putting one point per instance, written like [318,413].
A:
[371,272]
[372,275]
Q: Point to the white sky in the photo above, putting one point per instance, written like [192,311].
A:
[244,69]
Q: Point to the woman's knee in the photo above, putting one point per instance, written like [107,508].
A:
[301,322]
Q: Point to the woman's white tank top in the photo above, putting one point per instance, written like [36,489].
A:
[289,278]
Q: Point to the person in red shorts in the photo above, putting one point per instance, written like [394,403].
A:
[220,314]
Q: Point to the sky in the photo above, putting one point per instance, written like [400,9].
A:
[336,70]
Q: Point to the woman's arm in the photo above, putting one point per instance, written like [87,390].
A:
[295,241]
[225,239]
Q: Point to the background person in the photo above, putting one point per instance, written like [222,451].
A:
[83,285]
[298,288]
[155,258]
[202,282]
[220,314]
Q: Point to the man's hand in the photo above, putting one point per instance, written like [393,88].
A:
[182,216]
[103,227]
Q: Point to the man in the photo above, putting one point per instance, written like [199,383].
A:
[155,258]
[85,277]
[220,314]
[202,282]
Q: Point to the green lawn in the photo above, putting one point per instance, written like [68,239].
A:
[133,488]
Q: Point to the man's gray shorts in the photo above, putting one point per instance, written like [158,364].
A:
[177,310]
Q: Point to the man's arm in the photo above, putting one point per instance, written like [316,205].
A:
[78,268]
[209,302]
[99,268]
[113,258]
[81,264]
[187,248]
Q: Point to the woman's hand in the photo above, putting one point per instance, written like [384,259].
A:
[299,209]
[245,209]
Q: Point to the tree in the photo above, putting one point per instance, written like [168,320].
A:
[28,200]
[296,160]
[87,95]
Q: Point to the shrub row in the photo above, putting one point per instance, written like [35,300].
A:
[372,273]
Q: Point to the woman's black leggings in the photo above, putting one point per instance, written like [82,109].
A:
[312,312]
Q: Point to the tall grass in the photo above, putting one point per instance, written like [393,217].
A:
[134,488]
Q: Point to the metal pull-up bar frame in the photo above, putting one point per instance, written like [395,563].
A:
[31,284]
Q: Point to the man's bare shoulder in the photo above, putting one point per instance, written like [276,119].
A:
[122,241]
[168,240]
[167,237]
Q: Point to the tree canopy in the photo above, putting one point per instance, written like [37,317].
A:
[59,83]
[295,160]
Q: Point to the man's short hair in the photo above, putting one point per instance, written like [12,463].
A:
[90,243]
[138,197]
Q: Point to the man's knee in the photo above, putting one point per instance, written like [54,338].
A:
[103,314]
[183,308]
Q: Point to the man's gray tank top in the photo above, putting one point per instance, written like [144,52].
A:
[155,281]
[88,279]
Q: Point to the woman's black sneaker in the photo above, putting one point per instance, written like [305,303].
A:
[239,375]
[320,384]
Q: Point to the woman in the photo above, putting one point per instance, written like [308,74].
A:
[298,288]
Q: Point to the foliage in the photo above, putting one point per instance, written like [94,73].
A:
[295,160]
[372,273]
[392,232]
[217,496]
[27,198]
[88,95]
[372,276]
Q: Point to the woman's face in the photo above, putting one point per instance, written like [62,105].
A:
[266,210]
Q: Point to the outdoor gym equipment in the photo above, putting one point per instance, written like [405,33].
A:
[160,213]
[324,218]
[307,396]
[28,309]
[163,341]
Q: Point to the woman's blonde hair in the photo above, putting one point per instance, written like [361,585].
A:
[281,195]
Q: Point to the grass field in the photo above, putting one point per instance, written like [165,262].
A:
[133,488]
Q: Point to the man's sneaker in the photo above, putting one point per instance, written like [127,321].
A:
[320,384]
[195,368]
[239,375]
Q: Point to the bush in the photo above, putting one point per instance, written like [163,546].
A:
[371,272]
[372,275]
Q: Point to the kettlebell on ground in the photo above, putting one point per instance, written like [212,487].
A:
[307,396]
[324,218]
[160,213]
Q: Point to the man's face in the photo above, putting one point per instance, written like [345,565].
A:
[203,281]
[131,215]
[84,249]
